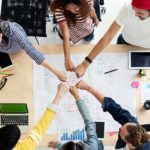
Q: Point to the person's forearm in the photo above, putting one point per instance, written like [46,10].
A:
[66,47]
[99,47]
[50,67]
[98,95]
[57,99]
[106,39]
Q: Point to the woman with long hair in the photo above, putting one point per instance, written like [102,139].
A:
[76,20]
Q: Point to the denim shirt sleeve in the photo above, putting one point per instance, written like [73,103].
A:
[118,113]
[17,34]
[89,125]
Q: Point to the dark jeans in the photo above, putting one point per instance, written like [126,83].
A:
[89,37]
[121,40]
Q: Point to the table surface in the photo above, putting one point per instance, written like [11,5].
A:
[19,87]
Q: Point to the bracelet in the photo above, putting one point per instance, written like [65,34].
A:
[88,59]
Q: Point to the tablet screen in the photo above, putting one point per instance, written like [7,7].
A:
[140,60]
[13,108]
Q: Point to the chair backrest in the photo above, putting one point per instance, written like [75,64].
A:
[30,14]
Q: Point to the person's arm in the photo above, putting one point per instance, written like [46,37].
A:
[66,45]
[20,37]
[89,124]
[92,12]
[108,104]
[36,135]
[102,43]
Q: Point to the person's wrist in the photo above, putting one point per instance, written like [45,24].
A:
[89,88]
[77,97]
[86,64]
[88,60]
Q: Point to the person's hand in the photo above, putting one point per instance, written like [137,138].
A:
[83,85]
[52,144]
[62,89]
[74,91]
[62,76]
[81,68]
[69,65]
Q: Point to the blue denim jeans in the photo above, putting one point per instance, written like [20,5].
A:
[89,37]
[121,40]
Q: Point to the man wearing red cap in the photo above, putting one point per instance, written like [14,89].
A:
[134,18]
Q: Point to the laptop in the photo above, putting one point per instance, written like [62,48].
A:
[139,59]
[5,62]
[16,114]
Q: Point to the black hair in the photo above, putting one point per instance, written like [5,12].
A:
[9,136]
[72,146]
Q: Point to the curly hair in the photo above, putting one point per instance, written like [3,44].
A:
[84,9]
[137,135]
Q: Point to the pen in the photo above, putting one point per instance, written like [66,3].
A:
[4,73]
[7,75]
[110,71]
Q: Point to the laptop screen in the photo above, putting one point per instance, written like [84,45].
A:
[13,108]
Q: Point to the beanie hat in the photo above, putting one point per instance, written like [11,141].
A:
[9,136]
[141,4]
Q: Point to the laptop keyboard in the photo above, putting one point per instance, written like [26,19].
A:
[14,119]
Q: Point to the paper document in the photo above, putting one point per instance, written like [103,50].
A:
[145,91]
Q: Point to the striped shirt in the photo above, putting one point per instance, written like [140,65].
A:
[82,28]
[17,40]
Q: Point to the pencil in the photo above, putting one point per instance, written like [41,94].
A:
[4,73]
[7,75]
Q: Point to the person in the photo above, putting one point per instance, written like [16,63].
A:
[134,20]
[131,133]
[10,134]
[14,39]
[92,142]
[76,19]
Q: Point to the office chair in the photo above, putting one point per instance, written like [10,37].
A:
[30,14]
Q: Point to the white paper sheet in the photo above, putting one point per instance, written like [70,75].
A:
[145,91]
[116,84]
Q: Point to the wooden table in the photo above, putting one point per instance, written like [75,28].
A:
[19,87]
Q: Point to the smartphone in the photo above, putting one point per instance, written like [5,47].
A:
[5,62]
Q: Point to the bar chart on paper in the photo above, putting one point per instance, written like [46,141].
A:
[75,135]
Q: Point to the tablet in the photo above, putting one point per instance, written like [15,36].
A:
[139,59]
[5,62]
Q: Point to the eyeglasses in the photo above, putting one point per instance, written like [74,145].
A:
[3,82]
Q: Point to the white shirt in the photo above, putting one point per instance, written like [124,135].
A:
[135,31]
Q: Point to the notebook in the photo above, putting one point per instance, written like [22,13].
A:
[16,114]
[5,62]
